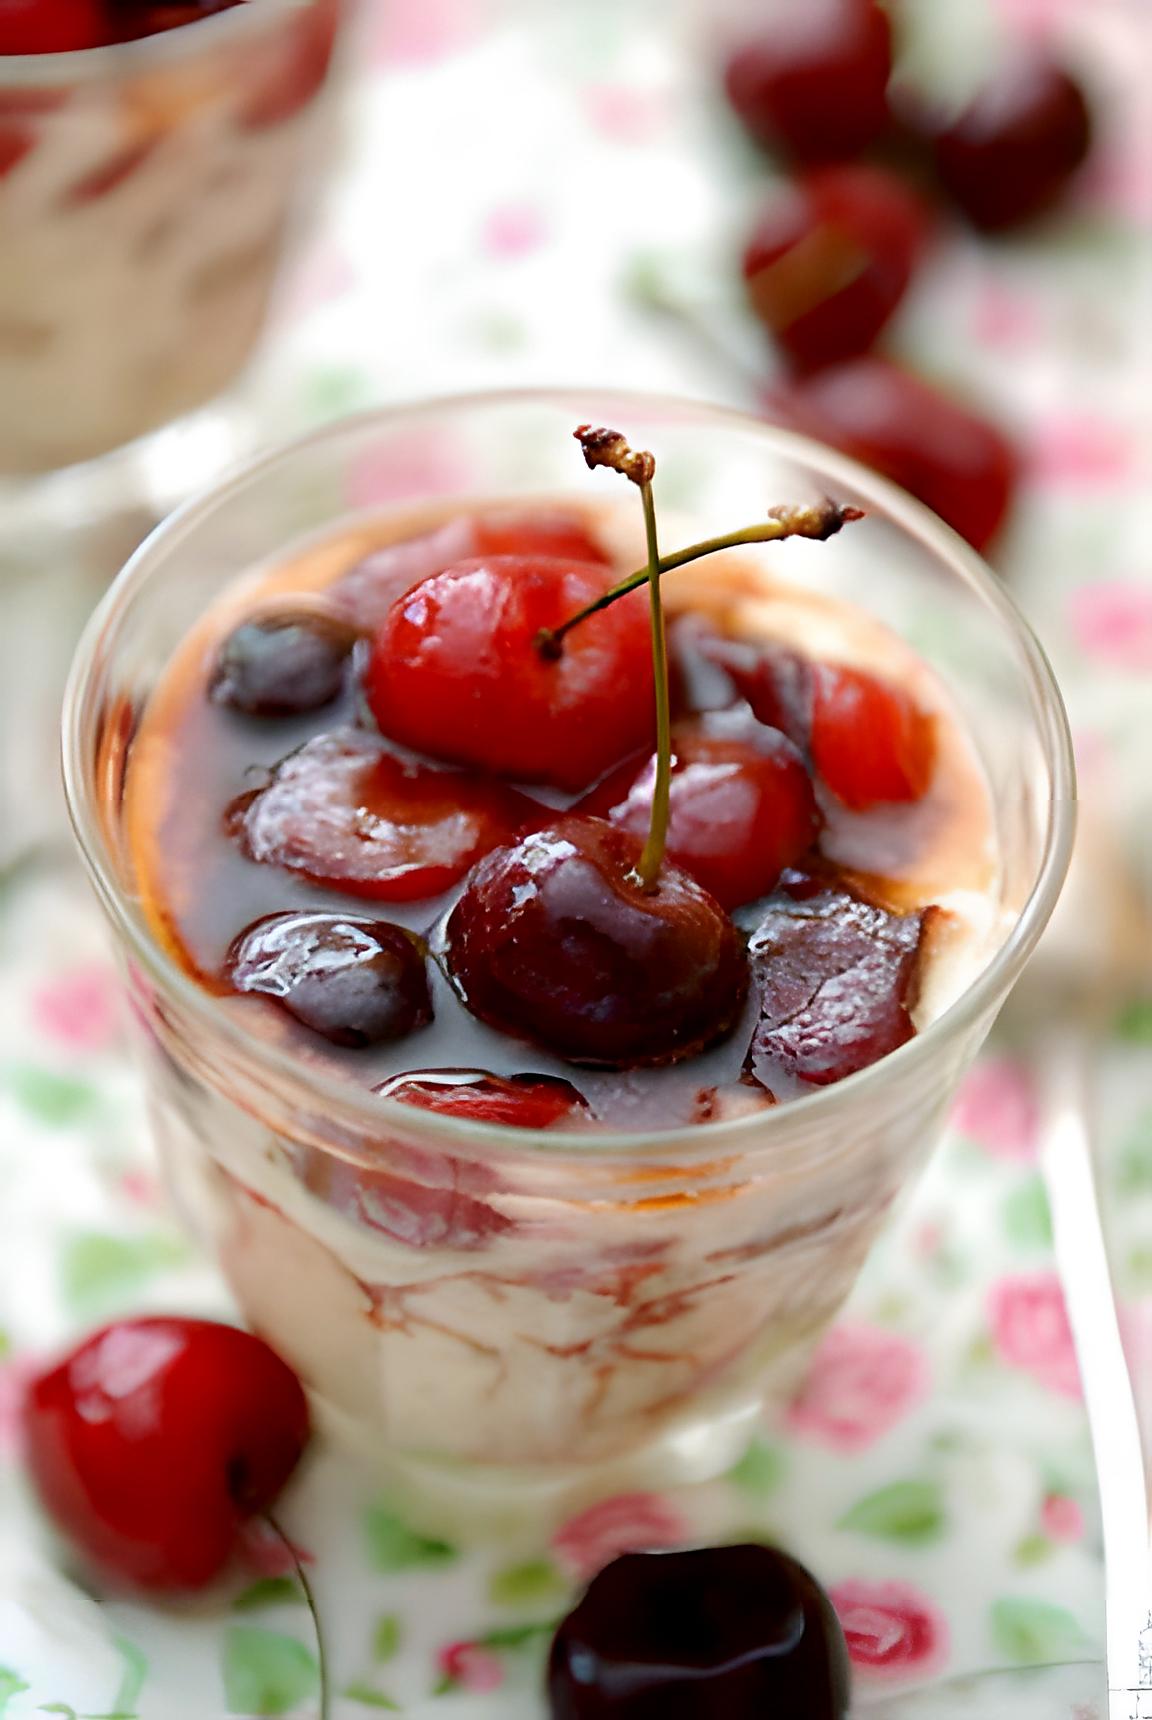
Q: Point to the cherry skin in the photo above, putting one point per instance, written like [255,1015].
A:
[515,1102]
[136,18]
[1011,153]
[355,982]
[49,26]
[714,1633]
[283,663]
[956,462]
[815,83]
[346,812]
[556,940]
[155,1441]
[454,671]
[742,806]
[830,259]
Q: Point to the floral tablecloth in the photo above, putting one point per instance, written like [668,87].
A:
[515,179]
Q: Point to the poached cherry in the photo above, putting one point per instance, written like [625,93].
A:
[741,805]
[135,18]
[280,664]
[154,1442]
[815,81]
[514,1102]
[1011,153]
[49,26]
[830,259]
[950,457]
[454,671]
[557,940]
[834,975]
[712,1633]
[345,811]
[356,982]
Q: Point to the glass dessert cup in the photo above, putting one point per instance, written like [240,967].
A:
[147,191]
[570,1313]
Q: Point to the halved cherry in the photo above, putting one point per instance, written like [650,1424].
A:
[514,1102]
[454,671]
[367,591]
[49,26]
[835,975]
[742,806]
[867,738]
[347,812]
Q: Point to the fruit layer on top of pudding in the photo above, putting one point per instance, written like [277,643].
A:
[369,812]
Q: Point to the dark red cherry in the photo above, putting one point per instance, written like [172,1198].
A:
[712,1633]
[454,671]
[282,663]
[356,982]
[742,806]
[955,461]
[1011,153]
[132,19]
[345,811]
[830,259]
[834,975]
[515,1102]
[415,1196]
[557,941]
[155,1441]
[814,82]
[49,26]
[367,591]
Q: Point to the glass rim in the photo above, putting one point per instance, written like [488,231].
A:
[370,1113]
[80,65]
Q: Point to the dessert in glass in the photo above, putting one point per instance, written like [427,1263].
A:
[540,1055]
[153,160]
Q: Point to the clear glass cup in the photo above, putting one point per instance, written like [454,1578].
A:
[550,1315]
[146,194]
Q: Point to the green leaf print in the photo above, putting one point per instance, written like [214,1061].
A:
[56,1100]
[1033,1550]
[1027,1216]
[133,1676]
[11,1684]
[265,1672]
[393,1546]
[102,1274]
[1134,1022]
[907,1511]
[1134,1164]
[516,1635]
[760,1470]
[269,1592]
[368,1697]
[1035,1632]
[535,1579]
[387,1636]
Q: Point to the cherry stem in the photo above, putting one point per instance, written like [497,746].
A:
[648,869]
[819,520]
[325,1711]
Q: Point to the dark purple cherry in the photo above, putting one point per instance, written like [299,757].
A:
[714,1633]
[557,940]
[835,975]
[357,982]
[283,663]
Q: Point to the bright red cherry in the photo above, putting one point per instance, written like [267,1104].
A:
[156,1440]
[1011,153]
[514,1102]
[345,811]
[956,462]
[742,806]
[551,532]
[49,26]
[557,941]
[830,259]
[454,671]
[815,81]
[834,975]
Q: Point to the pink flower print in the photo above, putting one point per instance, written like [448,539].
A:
[632,1522]
[861,1382]
[1003,318]
[512,230]
[892,1630]
[1062,1518]
[140,1189]
[1088,453]
[1112,623]
[413,32]
[1030,1330]
[263,1551]
[408,468]
[79,1009]
[997,1107]
[626,115]
[469,1666]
